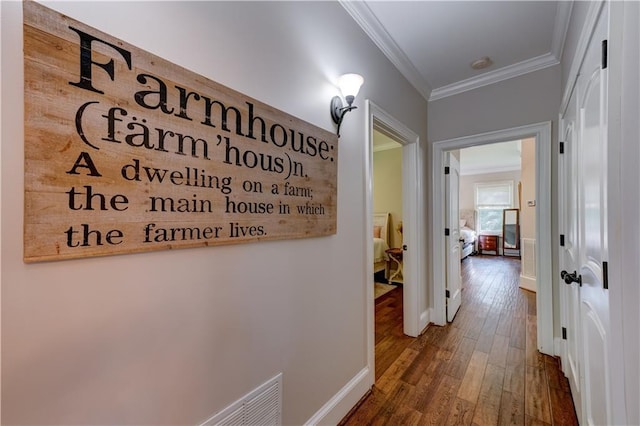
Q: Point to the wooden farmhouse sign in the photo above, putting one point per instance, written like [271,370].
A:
[126,152]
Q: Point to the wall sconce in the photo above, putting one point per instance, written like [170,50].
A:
[349,86]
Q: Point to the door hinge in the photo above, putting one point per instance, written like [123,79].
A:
[604,54]
[446,232]
[564,333]
[605,275]
[561,147]
[446,293]
[561,240]
[447,170]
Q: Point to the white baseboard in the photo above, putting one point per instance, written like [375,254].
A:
[425,318]
[341,403]
[557,347]
[560,347]
[528,283]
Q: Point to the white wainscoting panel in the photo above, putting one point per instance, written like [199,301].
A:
[528,265]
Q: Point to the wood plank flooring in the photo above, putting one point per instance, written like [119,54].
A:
[482,369]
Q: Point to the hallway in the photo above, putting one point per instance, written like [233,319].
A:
[481,369]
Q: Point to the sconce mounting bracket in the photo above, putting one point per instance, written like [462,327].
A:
[338,111]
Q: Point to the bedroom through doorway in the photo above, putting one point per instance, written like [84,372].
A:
[497,206]
[540,245]
[407,269]
[387,216]
[387,251]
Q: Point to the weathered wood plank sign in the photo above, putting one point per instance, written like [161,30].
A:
[126,152]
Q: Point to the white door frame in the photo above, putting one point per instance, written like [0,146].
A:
[544,295]
[414,288]
[623,207]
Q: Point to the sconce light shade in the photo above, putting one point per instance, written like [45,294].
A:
[349,86]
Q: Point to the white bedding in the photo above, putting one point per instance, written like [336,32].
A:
[379,250]
[467,235]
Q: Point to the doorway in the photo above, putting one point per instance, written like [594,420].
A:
[387,207]
[415,309]
[494,211]
[542,134]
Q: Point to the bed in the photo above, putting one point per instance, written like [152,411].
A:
[468,236]
[380,242]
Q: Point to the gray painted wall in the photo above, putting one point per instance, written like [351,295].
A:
[173,337]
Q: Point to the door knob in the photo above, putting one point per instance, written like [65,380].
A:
[404,247]
[571,277]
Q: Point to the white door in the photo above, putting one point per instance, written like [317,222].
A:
[452,214]
[592,230]
[569,245]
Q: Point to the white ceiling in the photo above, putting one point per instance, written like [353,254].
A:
[434,42]
[492,158]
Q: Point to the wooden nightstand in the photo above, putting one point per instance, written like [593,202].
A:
[488,243]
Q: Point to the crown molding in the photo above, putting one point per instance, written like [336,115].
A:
[560,28]
[496,76]
[363,16]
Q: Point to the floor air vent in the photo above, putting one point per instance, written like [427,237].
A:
[261,407]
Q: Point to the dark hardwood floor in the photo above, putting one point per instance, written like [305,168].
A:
[482,369]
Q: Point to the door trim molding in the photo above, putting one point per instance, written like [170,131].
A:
[416,317]
[544,295]
[576,62]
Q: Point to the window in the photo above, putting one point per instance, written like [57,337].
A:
[491,199]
